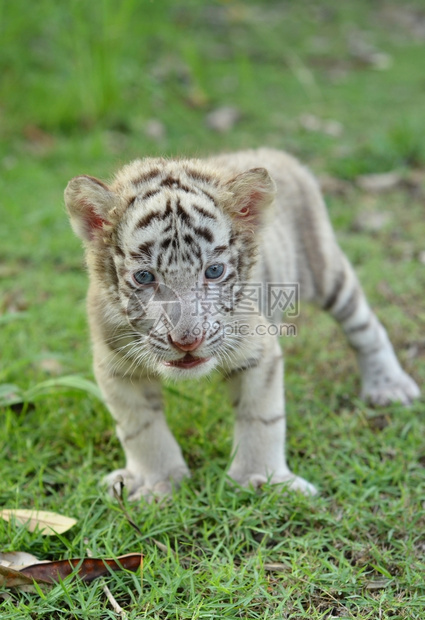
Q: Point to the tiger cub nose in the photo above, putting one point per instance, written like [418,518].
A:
[186,346]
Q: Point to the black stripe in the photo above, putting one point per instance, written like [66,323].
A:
[168,210]
[228,278]
[182,214]
[196,249]
[113,271]
[147,176]
[165,243]
[250,363]
[150,193]
[167,229]
[331,300]
[200,176]
[119,251]
[358,328]
[145,249]
[204,212]
[175,184]
[169,182]
[271,370]
[148,218]
[208,195]
[203,232]
[188,239]
[125,292]
[157,338]
[349,306]
[193,244]
[270,421]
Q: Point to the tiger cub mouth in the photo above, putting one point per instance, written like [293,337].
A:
[188,361]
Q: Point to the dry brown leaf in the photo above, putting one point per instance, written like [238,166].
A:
[88,568]
[10,578]
[46,573]
[47,523]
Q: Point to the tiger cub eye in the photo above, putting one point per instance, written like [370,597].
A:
[214,271]
[144,277]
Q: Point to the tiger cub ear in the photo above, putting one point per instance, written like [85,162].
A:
[248,196]
[88,201]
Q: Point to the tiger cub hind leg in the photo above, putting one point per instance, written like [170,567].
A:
[383,380]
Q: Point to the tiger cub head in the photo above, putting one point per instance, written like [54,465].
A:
[169,243]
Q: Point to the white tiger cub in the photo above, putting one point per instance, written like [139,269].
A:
[171,246]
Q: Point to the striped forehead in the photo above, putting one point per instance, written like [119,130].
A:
[173,228]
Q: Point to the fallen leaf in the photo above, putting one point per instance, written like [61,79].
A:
[365,53]
[371,221]
[51,365]
[378,584]
[8,271]
[313,123]
[155,129]
[37,135]
[277,567]
[10,578]
[16,560]
[15,302]
[47,523]
[334,185]
[88,568]
[223,119]
[406,18]
[196,97]
[384,182]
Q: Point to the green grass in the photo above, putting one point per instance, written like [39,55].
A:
[79,82]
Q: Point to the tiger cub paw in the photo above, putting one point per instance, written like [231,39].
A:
[140,487]
[289,482]
[384,390]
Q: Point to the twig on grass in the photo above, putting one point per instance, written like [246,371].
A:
[114,603]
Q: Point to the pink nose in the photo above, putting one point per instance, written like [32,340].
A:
[186,346]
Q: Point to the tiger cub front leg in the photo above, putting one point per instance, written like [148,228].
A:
[154,461]
[258,454]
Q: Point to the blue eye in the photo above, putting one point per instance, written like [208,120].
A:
[214,271]
[144,277]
